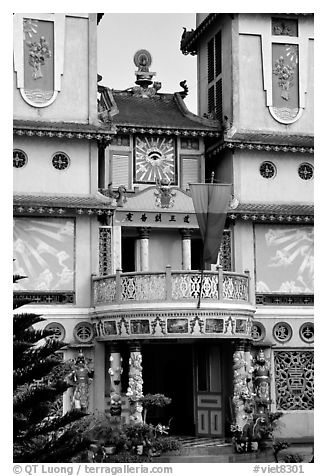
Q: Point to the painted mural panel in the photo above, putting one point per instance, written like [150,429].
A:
[44,252]
[284,258]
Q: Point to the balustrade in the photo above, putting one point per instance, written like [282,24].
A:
[172,286]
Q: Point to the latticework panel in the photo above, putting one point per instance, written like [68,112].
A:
[187,286]
[104,251]
[294,380]
[235,287]
[225,252]
[143,287]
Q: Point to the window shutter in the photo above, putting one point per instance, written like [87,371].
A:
[190,171]
[211,99]
[218,53]
[120,170]
[219,100]
[211,65]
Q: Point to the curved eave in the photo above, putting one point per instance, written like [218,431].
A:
[63,130]
[128,129]
[54,205]
[274,213]
[189,44]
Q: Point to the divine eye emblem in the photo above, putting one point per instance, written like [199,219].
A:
[154,155]
[154,159]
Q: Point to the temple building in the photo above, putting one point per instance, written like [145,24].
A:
[255,75]
[108,235]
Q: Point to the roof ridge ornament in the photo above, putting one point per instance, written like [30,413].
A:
[143,60]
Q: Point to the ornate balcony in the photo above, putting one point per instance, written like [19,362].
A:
[165,304]
[170,286]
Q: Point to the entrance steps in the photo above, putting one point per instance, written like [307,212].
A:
[217,450]
[193,446]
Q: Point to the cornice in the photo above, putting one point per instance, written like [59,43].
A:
[162,131]
[63,130]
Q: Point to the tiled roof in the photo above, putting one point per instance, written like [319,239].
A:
[64,129]
[272,138]
[96,200]
[275,208]
[164,111]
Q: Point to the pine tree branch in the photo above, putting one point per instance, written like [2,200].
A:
[53,424]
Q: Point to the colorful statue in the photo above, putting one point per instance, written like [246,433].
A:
[262,378]
[82,375]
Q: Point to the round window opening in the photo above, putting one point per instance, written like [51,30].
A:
[267,170]
[19,158]
[83,332]
[307,332]
[57,329]
[258,332]
[305,171]
[60,161]
[282,332]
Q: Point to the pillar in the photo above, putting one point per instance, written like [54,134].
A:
[144,247]
[99,376]
[116,247]
[186,248]
[135,382]
[115,371]
[243,402]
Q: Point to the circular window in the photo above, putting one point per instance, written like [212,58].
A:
[307,332]
[258,332]
[83,332]
[282,332]
[305,171]
[19,158]
[267,170]
[60,161]
[57,329]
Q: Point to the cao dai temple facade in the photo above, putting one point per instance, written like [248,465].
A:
[107,233]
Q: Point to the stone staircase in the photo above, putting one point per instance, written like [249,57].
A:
[211,450]
[217,450]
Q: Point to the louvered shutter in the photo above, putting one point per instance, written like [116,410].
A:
[190,171]
[120,170]
[211,99]
[219,100]
[211,65]
[218,53]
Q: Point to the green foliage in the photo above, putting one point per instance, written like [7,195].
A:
[292,458]
[39,382]
[167,444]
[137,433]
[155,400]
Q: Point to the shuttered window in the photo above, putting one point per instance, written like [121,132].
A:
[219,100]
[218,53]
[211,99]
[190,171]
[120,170]
[215,97]
[211,65]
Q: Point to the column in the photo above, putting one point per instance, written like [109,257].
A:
[135,382]
[116,248]
[144,247]
[186,248]
[243,402]
[68,394]
[99,376]
[115,371]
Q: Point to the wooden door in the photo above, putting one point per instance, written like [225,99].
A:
[208,391]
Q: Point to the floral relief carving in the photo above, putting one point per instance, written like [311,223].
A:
[285,74]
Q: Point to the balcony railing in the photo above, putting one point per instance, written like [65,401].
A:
[171,286]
